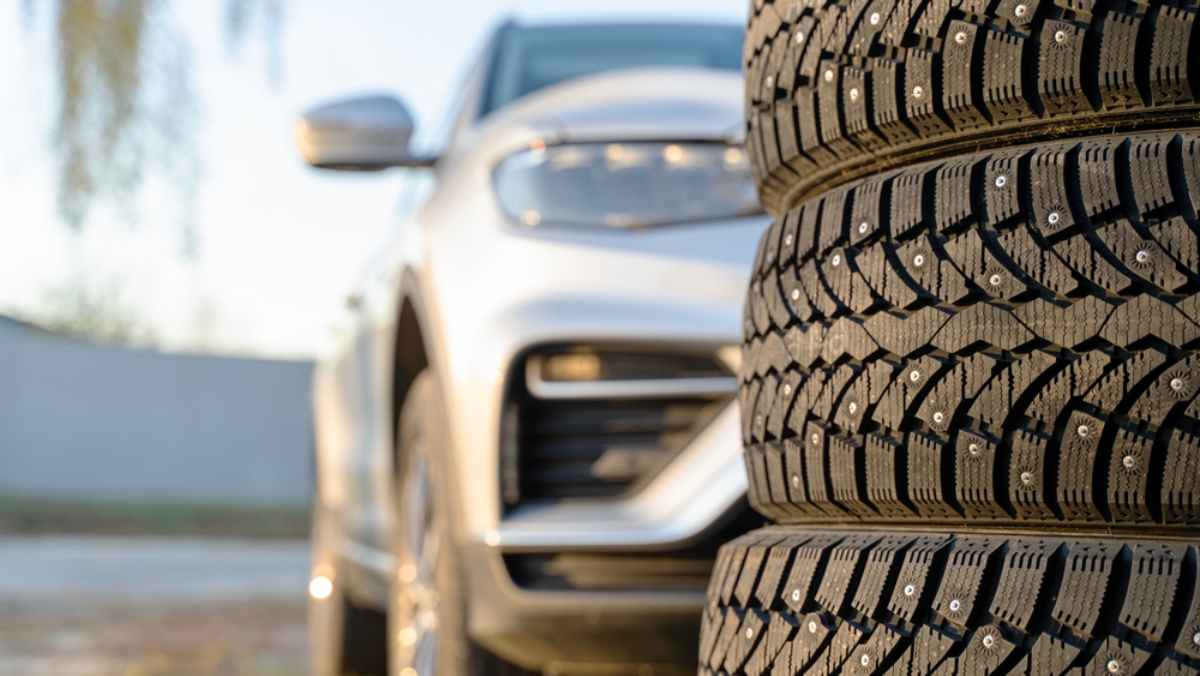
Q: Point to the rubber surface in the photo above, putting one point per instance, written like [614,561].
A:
[1003,338]
[838,89]
[787,601]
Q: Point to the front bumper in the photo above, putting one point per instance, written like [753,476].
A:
[582,631]
[597,612]
[613,586]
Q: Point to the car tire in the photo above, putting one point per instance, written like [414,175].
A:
[969,378]
[789,600]
[838,90]
[421,442]
[976,377]
[345,637]
[1010,340]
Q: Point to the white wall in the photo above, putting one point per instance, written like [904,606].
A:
[97,422]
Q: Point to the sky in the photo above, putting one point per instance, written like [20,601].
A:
[280,245]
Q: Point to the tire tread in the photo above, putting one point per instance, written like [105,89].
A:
[921,603]
[831,96]
[991,338]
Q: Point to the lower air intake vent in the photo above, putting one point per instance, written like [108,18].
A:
[590,423]
[681,568]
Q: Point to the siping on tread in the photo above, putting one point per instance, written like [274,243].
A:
[784,600]
[838,89]
[1011,339]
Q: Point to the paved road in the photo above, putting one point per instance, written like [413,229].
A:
[150,569]
[72,606]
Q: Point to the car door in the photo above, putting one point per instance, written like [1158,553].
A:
[350,410]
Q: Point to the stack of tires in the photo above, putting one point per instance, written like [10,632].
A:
[969,381]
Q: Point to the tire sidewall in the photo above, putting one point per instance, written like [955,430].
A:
[422,431]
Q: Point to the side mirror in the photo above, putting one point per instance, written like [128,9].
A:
[363,133]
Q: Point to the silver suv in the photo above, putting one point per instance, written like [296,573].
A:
[528,449]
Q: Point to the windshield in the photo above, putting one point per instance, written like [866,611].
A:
[533,58]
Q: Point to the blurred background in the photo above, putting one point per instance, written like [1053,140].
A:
[169,272]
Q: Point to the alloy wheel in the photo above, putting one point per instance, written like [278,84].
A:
[414,596]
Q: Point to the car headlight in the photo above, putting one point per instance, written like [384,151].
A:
[625,185]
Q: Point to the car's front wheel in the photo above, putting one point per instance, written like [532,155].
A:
[429,608]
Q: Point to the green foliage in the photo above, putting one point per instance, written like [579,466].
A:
[125,105]
[43,516]
[94,311]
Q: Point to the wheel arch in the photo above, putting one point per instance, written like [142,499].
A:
[410,353]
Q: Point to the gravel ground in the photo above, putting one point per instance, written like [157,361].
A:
[141,606]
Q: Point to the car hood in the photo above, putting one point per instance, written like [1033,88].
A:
[634,104]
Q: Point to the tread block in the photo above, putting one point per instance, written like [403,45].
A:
[1118,45]
[780,633]
[879,647]
[745,637]
[808,558]
[925,476]
[1059,67]
[726,635]
[1173,31]
[845,639]
[1050,655]
[919,94]
[845,474]
[1129,476]
[884,471]
[1097,173]
[1187,644]
[1077,460]
[811,640]
[957,76]
[883,562]
[751,567]
[1180,491]
[912,590]
[1022,579]
[737,555]
[1119,656]
[1003,93]
[961,583]
[1027,475]
[768,589]
[986,650]
[929,649]
[1085,584]
[974,472]
[1153,580]
[842,570]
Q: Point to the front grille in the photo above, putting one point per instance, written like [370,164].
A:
[600,448]
[561,443]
